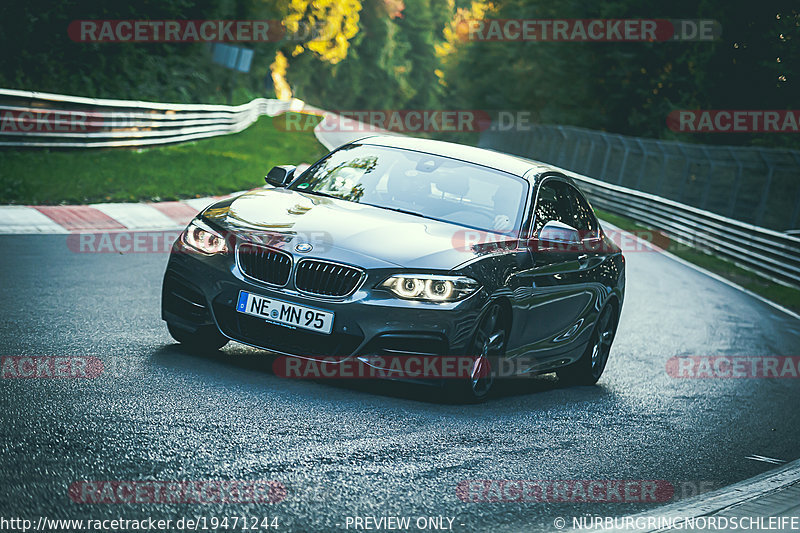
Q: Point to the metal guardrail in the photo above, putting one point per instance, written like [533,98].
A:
[770,253]
[755,185]
[33,119]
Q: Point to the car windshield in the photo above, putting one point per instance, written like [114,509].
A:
[427,185]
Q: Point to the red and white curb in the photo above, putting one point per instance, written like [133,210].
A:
[58,219]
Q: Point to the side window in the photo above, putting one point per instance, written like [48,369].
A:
[583,218]
[553,203]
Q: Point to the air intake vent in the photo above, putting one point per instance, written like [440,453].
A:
[323,278]
[264,264]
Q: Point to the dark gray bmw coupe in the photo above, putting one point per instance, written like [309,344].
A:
[403,246]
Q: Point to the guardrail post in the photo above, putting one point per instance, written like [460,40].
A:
[644,164]
[563,152]
[686,168]
[551,148]
[663,178]
[736,184]
[588,166]
[572,165]
[709,178]
[762,205]
[624,161]
[530,148]
[602,175]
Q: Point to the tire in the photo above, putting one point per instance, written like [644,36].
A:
[489,342]
[205,339]
[588,369]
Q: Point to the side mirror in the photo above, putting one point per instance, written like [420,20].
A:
[280,176]
[556,234]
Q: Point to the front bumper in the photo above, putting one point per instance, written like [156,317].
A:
[201,291]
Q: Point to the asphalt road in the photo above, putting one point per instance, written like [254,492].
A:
[159,413]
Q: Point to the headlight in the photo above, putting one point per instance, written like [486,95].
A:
[431,287]
[203,239]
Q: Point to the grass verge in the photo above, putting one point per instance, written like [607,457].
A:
[215,166]
[788,297]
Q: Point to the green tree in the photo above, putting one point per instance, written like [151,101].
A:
[630,87]
[391,63]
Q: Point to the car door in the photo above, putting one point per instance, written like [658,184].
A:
[591,252]
[552,295]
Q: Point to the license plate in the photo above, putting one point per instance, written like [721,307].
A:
[285,313]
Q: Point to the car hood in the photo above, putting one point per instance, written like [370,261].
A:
[343,231]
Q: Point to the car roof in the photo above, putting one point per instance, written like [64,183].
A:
[519,166]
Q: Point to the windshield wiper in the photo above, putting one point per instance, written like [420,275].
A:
[317,193]
[399,210]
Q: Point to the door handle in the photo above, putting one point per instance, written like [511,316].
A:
[583,260]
